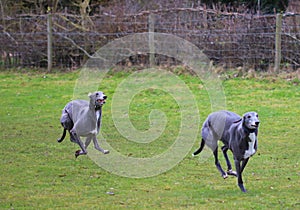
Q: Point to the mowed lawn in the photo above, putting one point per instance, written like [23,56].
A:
[39,173]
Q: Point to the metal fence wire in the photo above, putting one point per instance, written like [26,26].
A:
[228,39]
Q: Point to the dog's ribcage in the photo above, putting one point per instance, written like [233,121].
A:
[251,150]
[85,122]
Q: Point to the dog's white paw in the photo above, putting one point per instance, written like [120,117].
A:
[225,175]
[79,152]
[232,173]
[106,152]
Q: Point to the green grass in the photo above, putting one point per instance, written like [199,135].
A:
[39,173]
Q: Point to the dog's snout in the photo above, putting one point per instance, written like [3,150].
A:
[104,97]
[257,123]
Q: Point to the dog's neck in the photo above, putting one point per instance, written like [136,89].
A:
[248,131]
[97,108]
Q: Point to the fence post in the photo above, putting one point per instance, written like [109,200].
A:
[49,41]
[151,23]
[278,42]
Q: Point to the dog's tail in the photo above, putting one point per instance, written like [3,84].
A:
[200,148]
[62,137]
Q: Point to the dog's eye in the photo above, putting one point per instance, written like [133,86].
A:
[257,115]
[249,117]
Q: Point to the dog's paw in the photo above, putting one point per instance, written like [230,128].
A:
[232,173]
[243,189]
[106,152]
[77,153]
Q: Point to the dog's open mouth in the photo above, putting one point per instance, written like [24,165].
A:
[101,101]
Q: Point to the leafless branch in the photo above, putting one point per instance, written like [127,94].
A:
[76,45]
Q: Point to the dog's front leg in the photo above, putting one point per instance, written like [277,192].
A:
[88,141]
[97,147]
[80,143]
[244,163]
[239,174]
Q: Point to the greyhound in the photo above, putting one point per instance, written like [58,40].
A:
[239,134]
[83,118]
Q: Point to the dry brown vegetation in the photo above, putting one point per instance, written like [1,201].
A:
[231,38]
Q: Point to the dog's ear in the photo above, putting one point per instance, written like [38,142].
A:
[91,95]
[244,118]
[241,119]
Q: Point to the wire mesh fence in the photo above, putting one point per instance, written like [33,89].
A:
[228,39]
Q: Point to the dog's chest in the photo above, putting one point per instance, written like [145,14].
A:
[251,150]
[98,120]
[98,114]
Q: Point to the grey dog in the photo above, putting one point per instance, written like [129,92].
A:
[83,119]
[239,134]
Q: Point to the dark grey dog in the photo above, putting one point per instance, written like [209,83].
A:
[83,118]
[239,134]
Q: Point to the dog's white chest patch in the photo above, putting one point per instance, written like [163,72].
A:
[97,116]
[251,151]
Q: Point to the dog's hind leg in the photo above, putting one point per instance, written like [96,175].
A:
[200,148]
[239,174]
[66,123]
[62,137]
[229,167]
[218,165]
[97,147]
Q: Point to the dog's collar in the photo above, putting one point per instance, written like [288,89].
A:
[97,107]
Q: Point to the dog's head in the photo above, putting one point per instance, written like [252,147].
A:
[98,99]
[250,120]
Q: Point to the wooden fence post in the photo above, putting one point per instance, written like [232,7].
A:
[151,23]
[278,42]
[49,41]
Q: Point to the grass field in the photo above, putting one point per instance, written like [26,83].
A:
[39,173]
